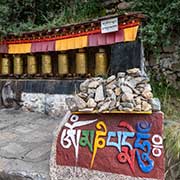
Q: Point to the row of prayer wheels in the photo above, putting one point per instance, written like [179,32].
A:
[81,67]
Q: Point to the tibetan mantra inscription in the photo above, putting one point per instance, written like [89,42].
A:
[127,144]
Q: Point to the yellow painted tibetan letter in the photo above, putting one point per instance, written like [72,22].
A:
[99,141]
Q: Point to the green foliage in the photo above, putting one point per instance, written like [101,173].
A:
[169,96]
[172,149]
[26,15]
[163,21]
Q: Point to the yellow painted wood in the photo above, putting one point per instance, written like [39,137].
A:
[130,33]
[112,112]
[71,43]
[19,48]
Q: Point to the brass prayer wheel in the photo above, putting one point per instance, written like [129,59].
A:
[46,64]
[63,65]
[31,65]
[101,63]
[81,62]
[5,66]
[18,65]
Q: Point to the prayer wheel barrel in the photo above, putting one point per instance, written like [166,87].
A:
[63,65]
[31,65]
[5,66]
[46,64]
[101,63]
[81,62]
[18,65]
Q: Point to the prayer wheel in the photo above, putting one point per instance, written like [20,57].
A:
[81,62]
[101,63]
[31,65]
[63,65]
[18,65]
[46,64]
[5,66]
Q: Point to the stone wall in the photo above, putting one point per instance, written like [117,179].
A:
[167,65]
[51,104]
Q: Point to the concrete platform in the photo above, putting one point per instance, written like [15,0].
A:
[25,144]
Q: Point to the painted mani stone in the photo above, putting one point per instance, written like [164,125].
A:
[125,144]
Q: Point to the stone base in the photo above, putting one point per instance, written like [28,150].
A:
[108,146]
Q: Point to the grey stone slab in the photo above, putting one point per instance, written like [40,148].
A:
[40,151]
[13,148]
[25,143]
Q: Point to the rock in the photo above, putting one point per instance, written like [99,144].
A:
[121,81]
[91,93]
[81,104]
[84,85]
[117,104]
[71,103]
[127,97]
[140,90]
[169,49]
[156,104]
[121,74]
[111,85]
[134,72]
[99,96]
[148,87]
[126,89]
[110,79]
[124,5]
[120,108]
[93,84]
[141,79]
[137,92]
[147,94]
[131,83]
[146,106]
[137,107]
[138,100]
[100,104]
[105,106]
[91,103]
[127,104]
[113,102]
[109,92]
[112,105]
[131,89]
[127,109]
[86,110]
[82,95]
[117,91]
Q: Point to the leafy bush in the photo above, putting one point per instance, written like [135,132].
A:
[163,21]
[27,15]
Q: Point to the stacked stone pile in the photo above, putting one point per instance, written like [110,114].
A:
[128,91]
